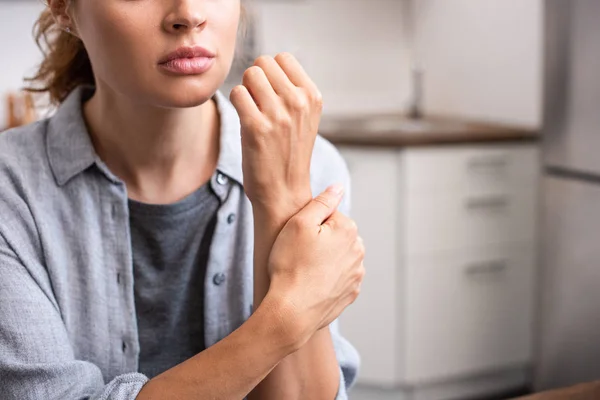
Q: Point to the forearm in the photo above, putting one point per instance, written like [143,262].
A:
[231,368]
[311,372]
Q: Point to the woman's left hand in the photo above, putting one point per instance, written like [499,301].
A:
[280,110]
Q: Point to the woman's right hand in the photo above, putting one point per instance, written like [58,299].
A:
[316,266]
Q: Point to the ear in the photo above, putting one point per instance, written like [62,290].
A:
[60,12]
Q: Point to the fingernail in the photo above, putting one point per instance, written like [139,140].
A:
[336,189]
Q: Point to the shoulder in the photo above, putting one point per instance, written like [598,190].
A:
[23,159]
[22,149]
[23,165]
[329,167]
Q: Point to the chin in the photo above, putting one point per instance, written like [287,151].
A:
[186,92]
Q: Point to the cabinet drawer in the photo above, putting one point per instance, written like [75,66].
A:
[449,221]
[468,312]
[470,168]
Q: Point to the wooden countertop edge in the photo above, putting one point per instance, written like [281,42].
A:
[445,130]
[584,391]
[403,139]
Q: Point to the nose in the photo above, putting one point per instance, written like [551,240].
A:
[185,16]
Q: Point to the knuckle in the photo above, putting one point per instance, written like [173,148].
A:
[345,226]
[315,97]
[298,102]
[318,101]
[259,126]
[352,227]
[361,273]
[283,119]
[359,252]
[361,248]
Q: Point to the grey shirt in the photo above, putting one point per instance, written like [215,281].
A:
[170,246]
[68,327]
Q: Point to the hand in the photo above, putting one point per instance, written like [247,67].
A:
[280,110]
[316,266]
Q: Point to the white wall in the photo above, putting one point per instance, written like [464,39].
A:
[19,52]
[354,49]
[483,58]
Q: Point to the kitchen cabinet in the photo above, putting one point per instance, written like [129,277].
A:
[447,306]
[373,319]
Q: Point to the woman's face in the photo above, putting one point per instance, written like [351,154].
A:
[129,40]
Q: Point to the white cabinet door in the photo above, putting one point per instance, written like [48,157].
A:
[371,323]
[468,312]
[446,221]
[471,169]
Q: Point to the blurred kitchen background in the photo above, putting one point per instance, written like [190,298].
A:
[471,129]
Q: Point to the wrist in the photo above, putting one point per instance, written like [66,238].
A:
[281,208]
[287,329]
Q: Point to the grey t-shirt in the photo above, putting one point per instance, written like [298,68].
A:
[171,245]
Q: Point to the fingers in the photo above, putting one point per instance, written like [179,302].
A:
[342,223]
[242,100]
[257,83]
[294,71]
[272,82]
[360,248]
[276,76]
[322,206]
[355,285]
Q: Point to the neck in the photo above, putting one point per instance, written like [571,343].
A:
[161,154]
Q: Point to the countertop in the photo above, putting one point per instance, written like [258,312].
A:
[584,391]
[387,130]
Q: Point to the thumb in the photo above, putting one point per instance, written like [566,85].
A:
[324,205]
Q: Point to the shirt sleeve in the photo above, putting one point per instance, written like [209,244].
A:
[348,360]
[37,361]
[347,356]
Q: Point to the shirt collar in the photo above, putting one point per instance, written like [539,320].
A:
[70,149]
[230,156]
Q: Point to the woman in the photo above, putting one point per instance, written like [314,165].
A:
[129,268]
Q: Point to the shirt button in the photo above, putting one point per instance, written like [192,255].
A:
[221,179]
[124,346]
[113,211]
[218,279]
[231,219]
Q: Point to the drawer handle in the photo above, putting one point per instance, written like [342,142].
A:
[488,162]
[488,202]
[489,267]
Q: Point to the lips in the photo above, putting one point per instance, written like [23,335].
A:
[187,53]
[187,61]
